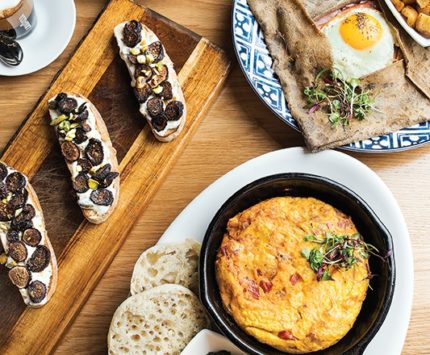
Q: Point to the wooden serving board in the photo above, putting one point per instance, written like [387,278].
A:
[84,251]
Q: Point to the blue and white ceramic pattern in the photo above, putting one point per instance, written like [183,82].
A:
[256,63]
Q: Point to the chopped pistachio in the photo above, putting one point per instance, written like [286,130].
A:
[93,184]
[18,211]
[74,125]
[135,51]
[159,66]
[140,81]
[65,126]
[58,120]
[143,43]
[141,59]
[149,58]
[157,90]
[70,135]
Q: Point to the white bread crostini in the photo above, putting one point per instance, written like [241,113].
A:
[153,77]
[87,149]
[30,256]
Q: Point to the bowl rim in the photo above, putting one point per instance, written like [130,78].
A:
[416,36]
[204,285]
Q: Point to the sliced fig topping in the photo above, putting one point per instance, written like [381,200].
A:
[12,235]
[86,127]
[132,59]
[3,171]
[80,136]
[159,122]
[37,291]
[85,164]
[102,172]
[21,225]
[67,105]
[39,260]
[81,117]
[3,191]
[19,276]
[156,51]
[131,34]
[102,197]
[155,107]
[52,104]
[27,214]
[15,182]
[70,151]
[142,93]
[94,152]
[107,181]
[80,184]
[166,92]
[60,96]
[82,107]
[143,70]
[32,237]
[159,78]
[6,212]
[18,199]
[18,251]
[174,110]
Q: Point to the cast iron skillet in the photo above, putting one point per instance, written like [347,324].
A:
[377,302]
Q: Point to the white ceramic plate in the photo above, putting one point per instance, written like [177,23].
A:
[55,25]
[208,341]
[195,218]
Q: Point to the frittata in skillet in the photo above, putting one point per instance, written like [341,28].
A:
[293,273]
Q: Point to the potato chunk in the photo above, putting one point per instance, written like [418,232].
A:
[399,5]
[423,3]
[423,24]
[425,10]
[410,15]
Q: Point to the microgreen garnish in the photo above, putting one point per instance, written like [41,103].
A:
[336,251]
[342,99]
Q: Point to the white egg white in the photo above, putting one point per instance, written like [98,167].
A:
[354,63]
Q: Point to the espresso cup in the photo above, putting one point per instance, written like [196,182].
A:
[17,17]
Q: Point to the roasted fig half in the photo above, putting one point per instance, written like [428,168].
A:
[70,151]
[37,291]
[32,237]
[19,276]
[102,197]
[18,251]
[94,152]
[40,259]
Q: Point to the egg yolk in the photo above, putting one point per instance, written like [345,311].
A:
[361,31]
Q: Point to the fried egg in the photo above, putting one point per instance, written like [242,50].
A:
[361,40]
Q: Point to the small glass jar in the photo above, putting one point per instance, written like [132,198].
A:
[17,17]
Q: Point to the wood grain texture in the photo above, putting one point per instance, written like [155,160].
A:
[237,128]
[84,250]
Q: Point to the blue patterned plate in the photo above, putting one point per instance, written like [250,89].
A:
[256,63]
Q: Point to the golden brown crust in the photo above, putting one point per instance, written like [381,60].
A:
[267,285]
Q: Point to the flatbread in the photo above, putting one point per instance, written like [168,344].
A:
[299,49]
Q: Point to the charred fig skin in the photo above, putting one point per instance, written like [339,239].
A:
[18,199]
[18,251]
[67,105]
[12,235]
[27,214]
[6,212]
[155,49]
[80,184]
[101,197]
[85,164]
[108,180]
[131,34]
[159,122]
[70,151]
[167,92]
[3,171]
[19,276]
[94,152]
[142,94]
[3,191]
[36,291]
[174,110]
[155,107]
[32,237]
[15,182]
[40,259]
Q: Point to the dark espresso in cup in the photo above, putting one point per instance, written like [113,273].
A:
[17,17]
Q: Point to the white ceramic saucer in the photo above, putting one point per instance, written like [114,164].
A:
[55,24]
[195,218]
